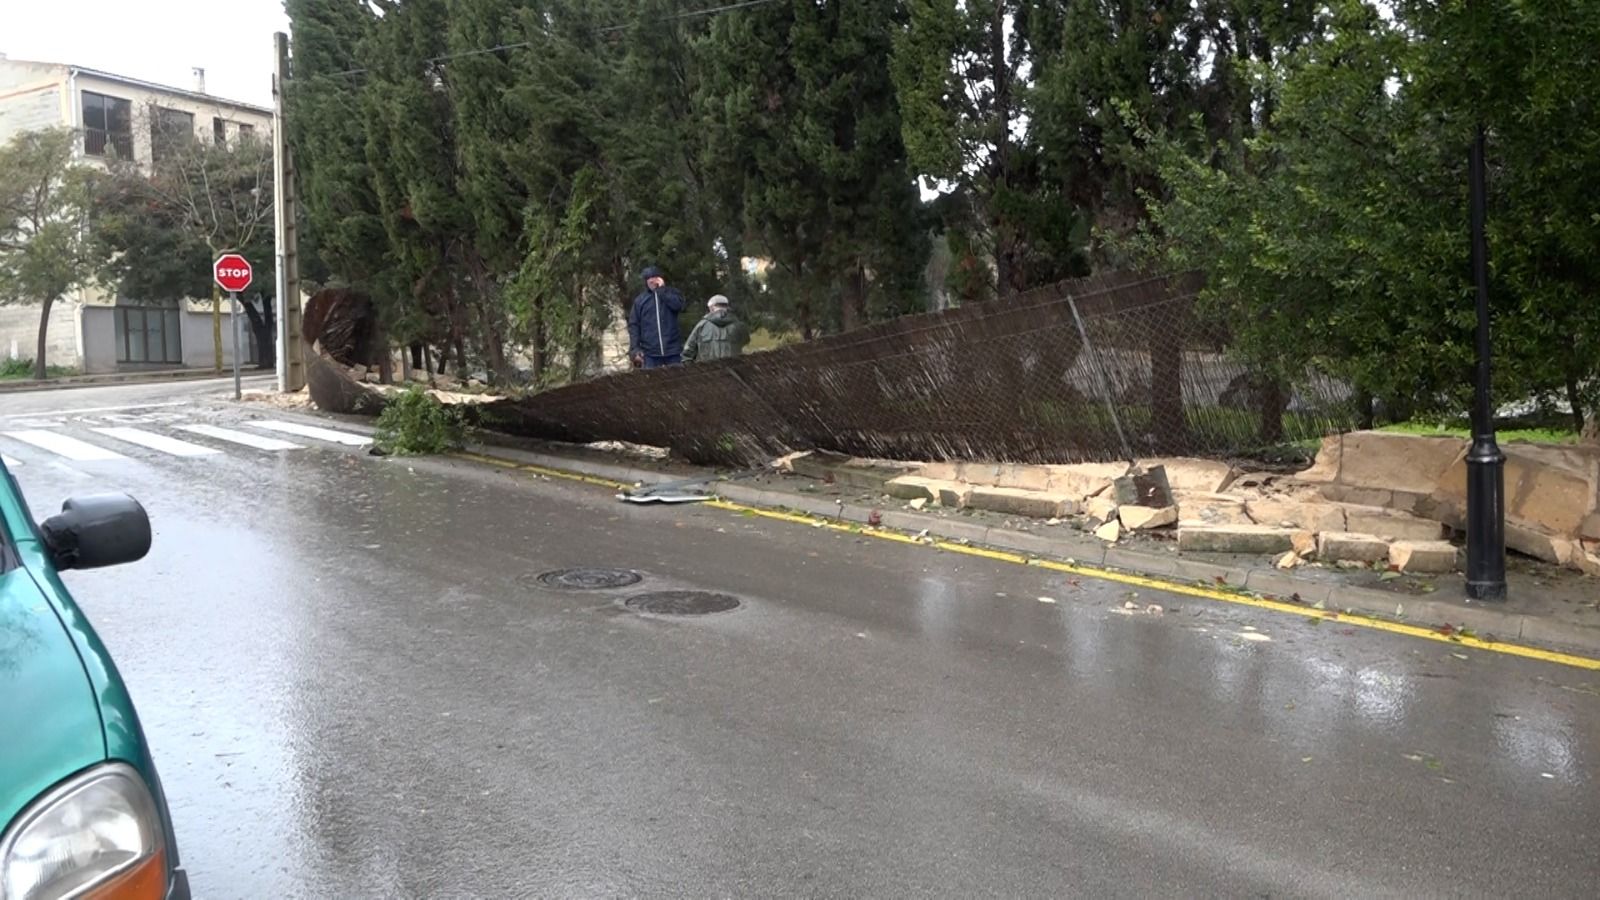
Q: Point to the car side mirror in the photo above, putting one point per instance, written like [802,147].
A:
[97,531]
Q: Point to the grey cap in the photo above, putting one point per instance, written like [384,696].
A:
[717,301]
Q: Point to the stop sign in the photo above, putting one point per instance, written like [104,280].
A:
[232,272]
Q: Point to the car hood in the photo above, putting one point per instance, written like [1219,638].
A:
[48,710]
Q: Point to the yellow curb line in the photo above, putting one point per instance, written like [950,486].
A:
[1173,587]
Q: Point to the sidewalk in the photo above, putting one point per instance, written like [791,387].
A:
[68,382]
[1545,608]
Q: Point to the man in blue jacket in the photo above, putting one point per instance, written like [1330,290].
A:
[653,338]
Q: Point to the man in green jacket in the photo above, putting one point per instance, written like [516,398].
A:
[720,335]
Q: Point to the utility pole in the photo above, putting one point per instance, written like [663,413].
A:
[1486,465]
[291,352]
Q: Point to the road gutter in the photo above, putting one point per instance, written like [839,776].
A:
[1252,586]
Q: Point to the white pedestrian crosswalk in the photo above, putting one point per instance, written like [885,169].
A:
[259,442]
[312,431]
[63,445]
[88,441]
[155,441]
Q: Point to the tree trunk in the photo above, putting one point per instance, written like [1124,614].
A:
[1364,410]
[40,367]
[1005,241]
[261,328]
[216,324]
[1273,403]
[853,312]
[1167,420]
[1575,400]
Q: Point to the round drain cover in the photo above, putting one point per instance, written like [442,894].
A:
[586,579]
[682,603]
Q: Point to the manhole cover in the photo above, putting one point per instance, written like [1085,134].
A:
[585,579]
[682,603]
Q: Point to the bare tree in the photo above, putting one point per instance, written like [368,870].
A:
[215,193]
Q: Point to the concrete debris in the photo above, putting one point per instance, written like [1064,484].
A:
[1144,487]
[1288,560]
[1018,502]
[1142,518]
[1430,557]
[1109,532]
[1259,540]
[918,503]
[1102,508]
[1344,546]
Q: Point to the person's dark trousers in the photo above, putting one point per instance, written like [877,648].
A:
[657,362]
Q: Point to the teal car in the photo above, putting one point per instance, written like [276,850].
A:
[81,808]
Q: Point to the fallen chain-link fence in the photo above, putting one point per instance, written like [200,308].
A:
[1117,366]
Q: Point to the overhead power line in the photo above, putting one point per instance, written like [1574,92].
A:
[609,29]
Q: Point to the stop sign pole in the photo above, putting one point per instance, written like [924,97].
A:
[233,274]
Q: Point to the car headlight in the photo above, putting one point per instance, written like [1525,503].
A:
[96,836]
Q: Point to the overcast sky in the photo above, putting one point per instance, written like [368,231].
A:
[156,40]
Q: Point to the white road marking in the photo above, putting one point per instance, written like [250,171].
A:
[10,461]
[61,445]
[315,433]
[257,441]
[98,409]
[159,442]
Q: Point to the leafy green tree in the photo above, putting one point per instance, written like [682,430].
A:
[804,127]
[1336,238]
[45,248]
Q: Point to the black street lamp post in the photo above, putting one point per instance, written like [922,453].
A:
[1486,476]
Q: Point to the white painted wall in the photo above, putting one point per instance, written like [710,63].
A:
[19,329]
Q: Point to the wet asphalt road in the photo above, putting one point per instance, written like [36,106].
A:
[354,688]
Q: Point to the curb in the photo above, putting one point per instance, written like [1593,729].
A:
[1082,550]
[70,382]
[1490,623]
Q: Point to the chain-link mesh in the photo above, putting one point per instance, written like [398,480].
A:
[1110,367]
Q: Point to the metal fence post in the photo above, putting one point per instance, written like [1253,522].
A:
[1100,376]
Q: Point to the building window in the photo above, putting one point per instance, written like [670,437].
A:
[107,126]
[246,132]
[219,131]
[148,334]
[170,131]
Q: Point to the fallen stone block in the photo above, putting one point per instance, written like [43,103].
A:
[1102,508]
[1015,502]
[1428,557]
[1541,546]
[1310,515]
[1213,509]
[1548,489]
[1143,487]
[1397,462]
[911,487]
[1109,532]
[1326,467]
[1022,477]
[1142,518]
[1200,476]
[1256,539]
[1084,480]
[1394,526]
[955,494]
[1343,546]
